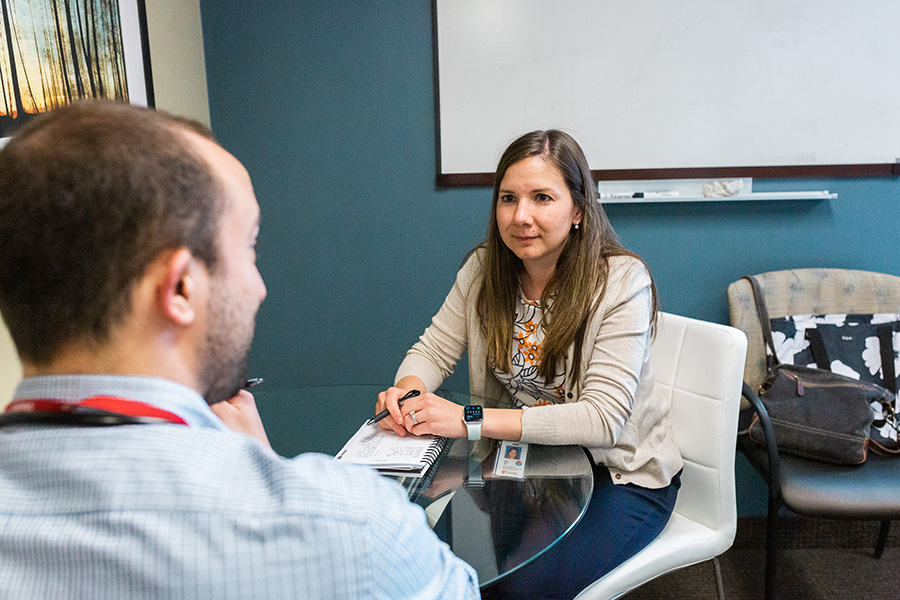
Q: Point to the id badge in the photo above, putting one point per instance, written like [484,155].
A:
[511,458]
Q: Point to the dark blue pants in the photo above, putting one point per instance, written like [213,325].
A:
[620,521]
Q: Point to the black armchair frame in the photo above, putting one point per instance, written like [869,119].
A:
[768,462]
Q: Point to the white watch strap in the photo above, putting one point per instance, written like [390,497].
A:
[474,430]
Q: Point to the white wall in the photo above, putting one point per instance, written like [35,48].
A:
[10,368]
[176,57]
[179,84]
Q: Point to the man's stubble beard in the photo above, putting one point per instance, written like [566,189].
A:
[223,366]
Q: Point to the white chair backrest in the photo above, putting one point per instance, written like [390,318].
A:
[700,366]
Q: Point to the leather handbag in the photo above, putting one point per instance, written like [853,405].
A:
[815,413]
[818,414]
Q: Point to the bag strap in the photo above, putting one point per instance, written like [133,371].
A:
[886,344]
[817,347]
[764,323]
[889,376]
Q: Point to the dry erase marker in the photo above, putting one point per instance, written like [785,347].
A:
[627,195]
[386,412]
[655,195]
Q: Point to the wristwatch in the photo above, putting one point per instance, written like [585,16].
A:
[473,417]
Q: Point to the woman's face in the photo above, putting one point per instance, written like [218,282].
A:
[535,212]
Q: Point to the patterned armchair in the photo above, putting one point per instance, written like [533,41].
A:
[806,292]
[870,491]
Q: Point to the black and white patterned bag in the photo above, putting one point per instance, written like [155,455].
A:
[863,347]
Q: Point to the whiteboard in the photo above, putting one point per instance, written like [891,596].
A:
[666,88]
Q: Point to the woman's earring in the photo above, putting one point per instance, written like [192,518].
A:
[576,225]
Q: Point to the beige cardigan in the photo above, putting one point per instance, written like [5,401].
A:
[615,410]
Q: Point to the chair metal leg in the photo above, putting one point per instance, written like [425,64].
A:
[772,475]
[717,568]
[771,545]
[882,538]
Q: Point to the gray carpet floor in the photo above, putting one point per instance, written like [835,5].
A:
[820,560]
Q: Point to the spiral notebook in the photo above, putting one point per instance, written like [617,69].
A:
[390,454]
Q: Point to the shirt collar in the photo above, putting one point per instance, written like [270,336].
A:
[536,303]
[156,391]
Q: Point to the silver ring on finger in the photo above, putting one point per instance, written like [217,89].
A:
[412,413]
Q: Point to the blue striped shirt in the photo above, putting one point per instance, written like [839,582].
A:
[168,511]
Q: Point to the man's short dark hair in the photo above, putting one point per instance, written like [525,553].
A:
[90,194]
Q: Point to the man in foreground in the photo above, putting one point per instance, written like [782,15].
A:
[129,284]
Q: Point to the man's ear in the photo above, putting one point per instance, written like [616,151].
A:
[180,289]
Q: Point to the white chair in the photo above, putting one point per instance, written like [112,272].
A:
[700,366]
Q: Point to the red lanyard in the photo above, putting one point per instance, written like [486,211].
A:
[109,404]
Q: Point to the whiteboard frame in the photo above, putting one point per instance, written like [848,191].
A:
[481,175]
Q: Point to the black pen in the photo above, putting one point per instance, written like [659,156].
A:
[386,412]
[253,382]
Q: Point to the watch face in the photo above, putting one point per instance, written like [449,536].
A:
[473,414]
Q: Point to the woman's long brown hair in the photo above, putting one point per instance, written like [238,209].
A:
[582,269]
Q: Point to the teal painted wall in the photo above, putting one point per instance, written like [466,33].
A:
[330,106]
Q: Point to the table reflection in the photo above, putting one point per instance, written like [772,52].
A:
[499,524]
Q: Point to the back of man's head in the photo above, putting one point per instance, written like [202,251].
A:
[90,194]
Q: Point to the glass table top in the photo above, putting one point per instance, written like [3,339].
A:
[497,525]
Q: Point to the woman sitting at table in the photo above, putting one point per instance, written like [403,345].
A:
[557,315]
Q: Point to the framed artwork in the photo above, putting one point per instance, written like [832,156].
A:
[53,52]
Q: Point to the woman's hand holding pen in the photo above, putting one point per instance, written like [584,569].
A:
[421,414]
[391,400]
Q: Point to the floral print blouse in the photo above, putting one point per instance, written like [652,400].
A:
[524,384]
